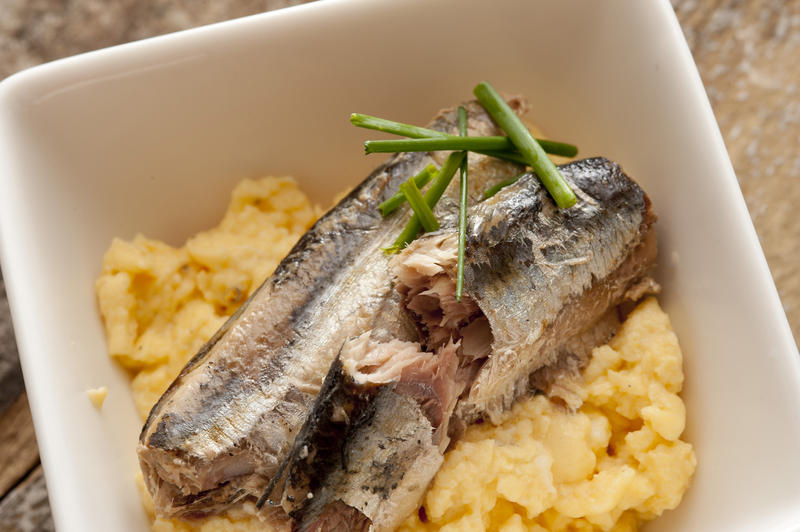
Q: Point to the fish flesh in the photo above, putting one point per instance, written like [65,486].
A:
[542,286]
[546,279]
[375,436]
[219,432]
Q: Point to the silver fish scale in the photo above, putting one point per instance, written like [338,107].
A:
[387,464]
[529,263]
[528,260]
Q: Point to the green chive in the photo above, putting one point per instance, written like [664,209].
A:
[553,147]
[511,156]
[436,144]
[396,128]
[462,207]
[530,149]
[549,146]
[491,191]
[439,185]
[421,179]
[492,146]
[432,197]
[421,209]
[416,132]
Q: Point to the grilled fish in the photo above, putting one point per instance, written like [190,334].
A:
[220,430]
[541,289]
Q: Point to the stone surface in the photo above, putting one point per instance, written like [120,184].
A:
[746,52]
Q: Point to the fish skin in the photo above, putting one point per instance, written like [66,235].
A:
[551,306]
[544,276]
[387,461]
[317,448]
[547,279]
[364,433]
[337,517]
[219,432]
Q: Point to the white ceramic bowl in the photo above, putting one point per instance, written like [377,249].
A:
[151,136]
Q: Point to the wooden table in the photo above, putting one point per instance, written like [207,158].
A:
[746,52]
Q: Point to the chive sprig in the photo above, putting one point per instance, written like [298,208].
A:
[421,209]
[518,145]
[438,144]
[421,179]
[552,147]
[531,150]
[462,207]
[432,197]
[491,191]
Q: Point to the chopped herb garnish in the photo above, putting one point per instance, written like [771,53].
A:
[530,149]
[492,146]
[518,146]
[421,209]
[511,156]
[491,191]
[553,147]
[415,132]
[396,128]
[432,197]
[462,206]
[436,144]
[421,179]
[439,185]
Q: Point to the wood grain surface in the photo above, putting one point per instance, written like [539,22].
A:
[746,51]
[18,453]
[26,509]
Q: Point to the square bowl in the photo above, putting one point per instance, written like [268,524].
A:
[151,136]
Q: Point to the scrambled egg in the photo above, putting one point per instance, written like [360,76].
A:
[616,462]
[97,396]
[160,304]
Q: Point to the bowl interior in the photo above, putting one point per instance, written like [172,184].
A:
[151,137]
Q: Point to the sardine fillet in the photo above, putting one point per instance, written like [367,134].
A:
[541,290]
[220,430]
[542,277]
[375,436]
